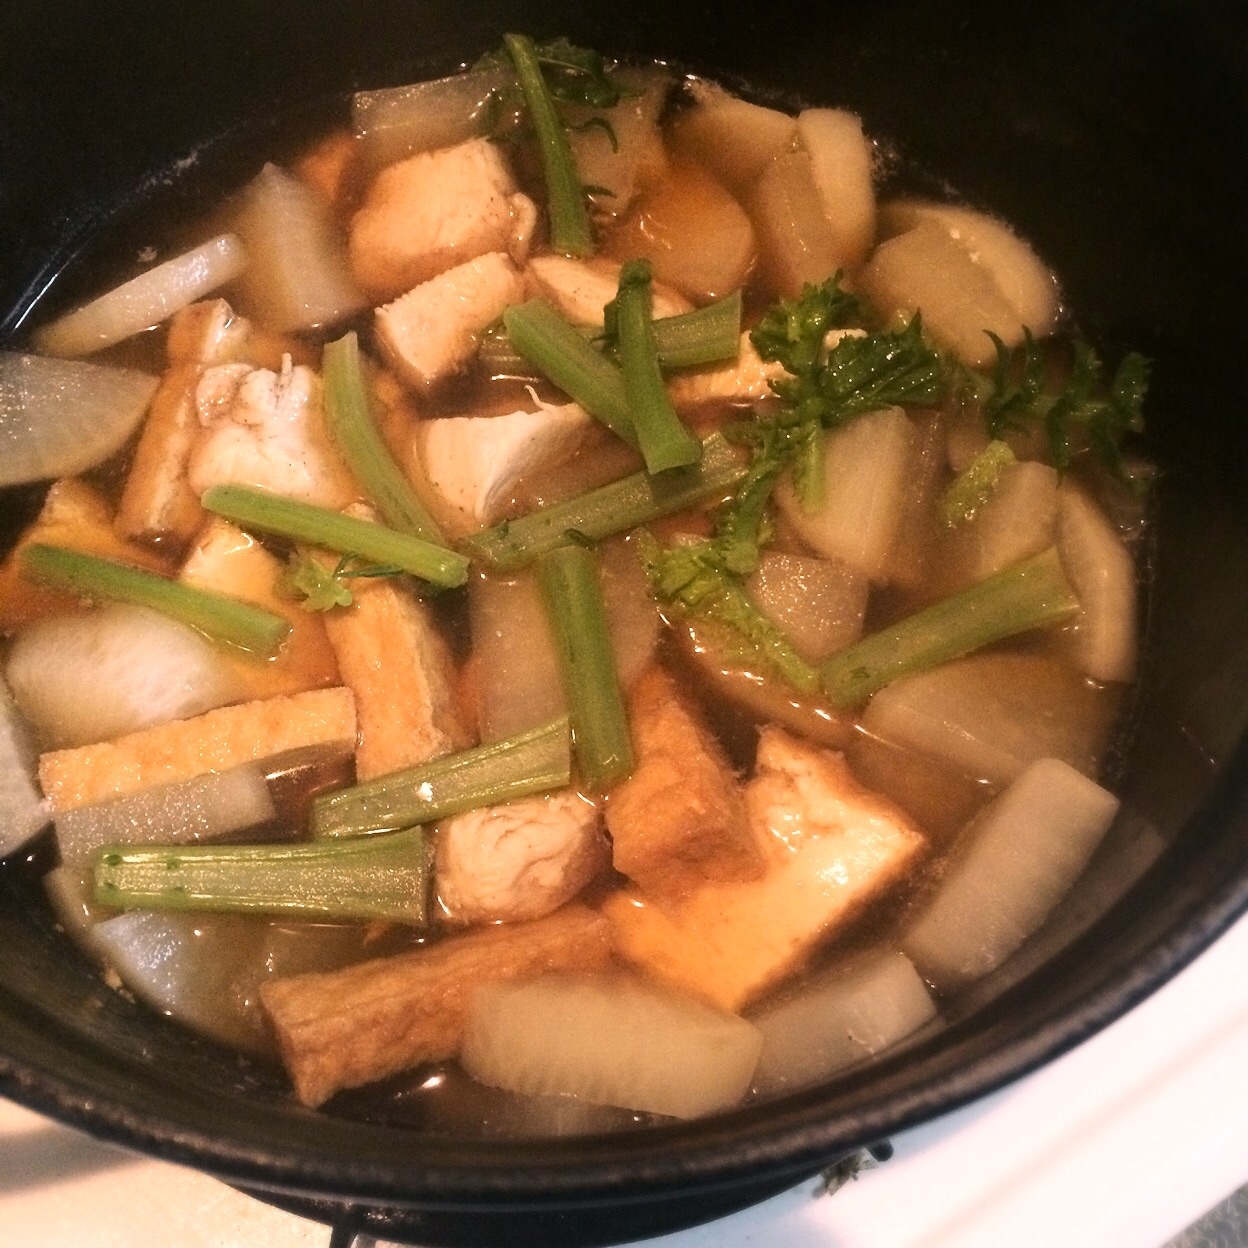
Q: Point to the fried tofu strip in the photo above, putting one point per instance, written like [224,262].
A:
[831,848]
[185,748]
[678,821]
[345,1028]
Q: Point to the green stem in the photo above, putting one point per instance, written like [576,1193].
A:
[223,619]
[615,508]
[665,442]
[563,354]
[349,417]
[376,877]
[570,231]
[1031,594]
[318,526]
[530,762]
[572,592]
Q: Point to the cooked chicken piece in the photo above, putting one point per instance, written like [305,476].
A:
[831,847]
[227,560]
[434,330]
[267,430]
[435,210]
[185,748]
[76,516]
[399,668]
[743,380]
[475,462]
[345,1028]
[678,820]
[157,502]
[519,860]
[579,289]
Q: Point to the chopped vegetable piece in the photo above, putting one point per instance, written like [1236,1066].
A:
[59,417]
[145,300]
[616,508]
[374,877]
[566,356]
[1031,594]
[664,441]
[975,484]
[573,592]
[531,762]
[349,417]
[570,230]
[223,619]
[22,811]
[317,526]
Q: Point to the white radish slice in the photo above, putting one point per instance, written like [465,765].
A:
[396,122]
[146,300]
[868,466]
[22,809]
[298,277]
[1018,273]
[840,1018]
[990,715]
[796,244]
[1024,853]
[99,675]
[202,809]
[610,1040]
[61,417]
[818,603]
[927,270]
[842,162]
[1102,574]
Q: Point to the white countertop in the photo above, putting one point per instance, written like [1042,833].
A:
[1119,1144]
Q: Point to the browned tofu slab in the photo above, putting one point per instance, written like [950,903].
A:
[185,748]
[678,821]
[345,1028]
[831,847]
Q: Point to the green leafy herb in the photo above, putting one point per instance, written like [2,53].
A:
[975,484]
[322,588]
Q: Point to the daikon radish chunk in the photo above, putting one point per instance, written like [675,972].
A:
[819,604]
[731,137]
[990,715]
[795,240]
[927,270]
[839,1018]
[842,162]
[60,417]
[1102,574]
[868,466]
[1018,520]
[918,526]
[612,1041]
[1023,854]
[615,168]
[298,276]
[696,236]
[146,300]
[22,811]
[92,677]
[395,122]
[202,809]
[1018,273]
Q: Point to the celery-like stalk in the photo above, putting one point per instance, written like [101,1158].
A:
[1031,594]
[665,442]
[563,354]
[530,762]
[615,508]
[375,877]
[318,526]
[570,230]
[223,619]
[349,416]
[572,592]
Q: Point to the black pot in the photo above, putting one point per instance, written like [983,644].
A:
[1113,135]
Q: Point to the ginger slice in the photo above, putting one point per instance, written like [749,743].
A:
[341,1029]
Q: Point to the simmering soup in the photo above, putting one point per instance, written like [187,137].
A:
[567,600]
